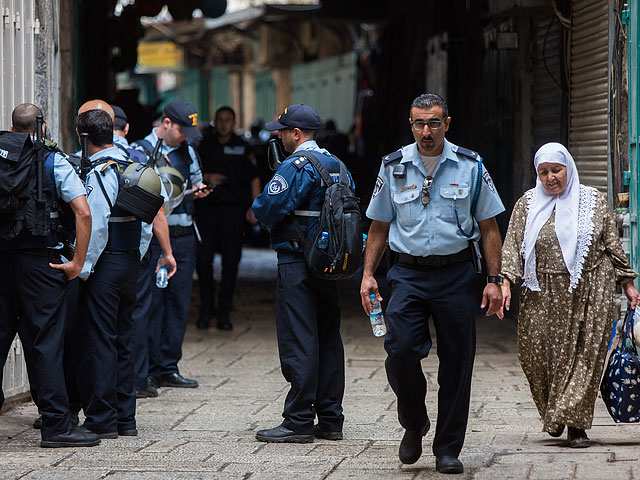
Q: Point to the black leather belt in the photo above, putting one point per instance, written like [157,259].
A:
[179,231]
[432,261]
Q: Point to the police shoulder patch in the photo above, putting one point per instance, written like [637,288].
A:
[89,189]
[378,188]
[278,184]
[486,178]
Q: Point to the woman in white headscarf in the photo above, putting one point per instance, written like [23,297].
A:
[563,244]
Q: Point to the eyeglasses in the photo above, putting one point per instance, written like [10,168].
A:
[420,124]
[425,195]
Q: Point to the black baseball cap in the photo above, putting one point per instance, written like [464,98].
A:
[119,113]
[296,116]
[186,116]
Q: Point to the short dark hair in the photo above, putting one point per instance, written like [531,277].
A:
[429,100]
[119,123]
[225,108]
[23,118]
[98,124]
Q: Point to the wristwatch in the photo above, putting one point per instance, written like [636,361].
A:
[495,279]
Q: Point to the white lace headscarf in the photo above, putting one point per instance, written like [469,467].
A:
[541,207]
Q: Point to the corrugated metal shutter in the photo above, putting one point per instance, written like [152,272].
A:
[17,78]
[17,56]
[265,96]
[195,90]
[546,93]
[588,108]
[329,86]
[221,94]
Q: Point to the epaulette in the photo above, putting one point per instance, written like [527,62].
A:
[300,162]
[467,153]
[392,157]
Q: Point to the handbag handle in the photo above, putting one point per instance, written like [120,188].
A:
[628,328]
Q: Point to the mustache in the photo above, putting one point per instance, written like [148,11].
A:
[430,138]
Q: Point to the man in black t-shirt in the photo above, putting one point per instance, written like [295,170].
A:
[227,164]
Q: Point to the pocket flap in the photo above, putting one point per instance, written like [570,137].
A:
[404,197]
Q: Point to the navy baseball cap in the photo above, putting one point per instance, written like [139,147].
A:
[296,116]
[119,113]
[186,116]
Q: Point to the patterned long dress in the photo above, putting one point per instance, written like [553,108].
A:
[563,336]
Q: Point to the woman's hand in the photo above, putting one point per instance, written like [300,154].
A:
[633,296]
[506,297]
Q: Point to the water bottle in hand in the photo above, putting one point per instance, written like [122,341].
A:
[377,318]
[162,277]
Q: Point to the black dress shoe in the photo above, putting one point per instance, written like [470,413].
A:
[327,435]
[223,321]
[37,423]
[76,437]
[147,392]
[449,464]
[176,380]
[281,434]
[153,382]
[128,432]
[411,444]
[203,321]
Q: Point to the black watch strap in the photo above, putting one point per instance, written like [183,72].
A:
[495,279]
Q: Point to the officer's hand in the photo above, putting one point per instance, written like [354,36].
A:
[201,193]
[633,296]
[367,287]
[506,298]
[169,262]
[492,295]
[251,218]
[70,269]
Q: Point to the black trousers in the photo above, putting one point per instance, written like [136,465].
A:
[34,292]
[448,295]
[106,376]
[310,346]
[142,320]
[221,229]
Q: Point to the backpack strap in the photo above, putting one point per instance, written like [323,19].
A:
[109,163]
[320,168]
[123,149]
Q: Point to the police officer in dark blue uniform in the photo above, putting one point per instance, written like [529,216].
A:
[169,312]
[32,287]
[431,199]
[307,307]
[228,164]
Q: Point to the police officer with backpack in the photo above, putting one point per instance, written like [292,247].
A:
[433,201]
[34,278]
[308,307]
[107,297]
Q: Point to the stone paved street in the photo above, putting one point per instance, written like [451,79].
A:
[208,432]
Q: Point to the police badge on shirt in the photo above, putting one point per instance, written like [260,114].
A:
[278,184]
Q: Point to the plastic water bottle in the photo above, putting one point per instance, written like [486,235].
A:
[364,241]
[377,318]
[323,241]
[162,277]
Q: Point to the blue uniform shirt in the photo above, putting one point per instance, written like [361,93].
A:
[68,184]
[181,219]
[100,210]
[287,190]
[432,229]
[147,228]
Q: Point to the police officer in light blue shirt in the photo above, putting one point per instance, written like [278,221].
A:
[308,308]
[433,201]
[108,295]
[169,313]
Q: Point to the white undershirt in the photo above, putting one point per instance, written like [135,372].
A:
[430,163]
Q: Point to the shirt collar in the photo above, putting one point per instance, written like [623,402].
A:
[111,152]
[410,154]
[120,140]
[308,145]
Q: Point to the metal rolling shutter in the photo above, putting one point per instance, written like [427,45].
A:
[589,81]
[546,95]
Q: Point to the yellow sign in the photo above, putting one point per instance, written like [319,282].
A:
[159,56]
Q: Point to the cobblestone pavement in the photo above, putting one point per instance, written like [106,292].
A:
[209,432]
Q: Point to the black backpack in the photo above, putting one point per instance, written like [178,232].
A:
[26,203]
[340,222]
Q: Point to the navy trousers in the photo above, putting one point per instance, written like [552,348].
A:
[221,229]
[170,307]
[448,295]
[106,376]
[310,346]
[142,320]
[34,292]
